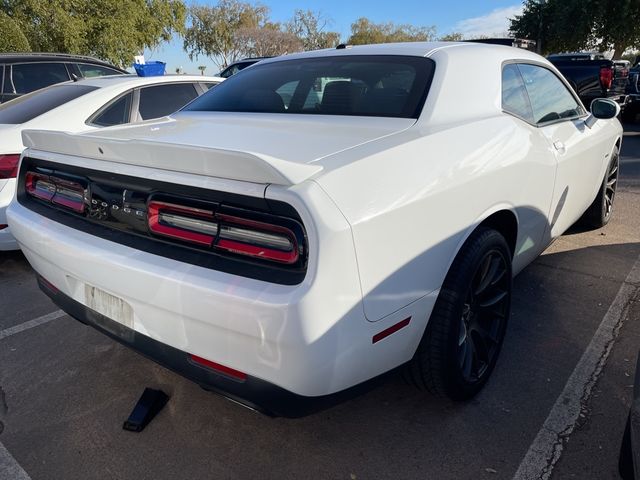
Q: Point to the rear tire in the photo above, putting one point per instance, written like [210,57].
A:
[599,212]
[462,341]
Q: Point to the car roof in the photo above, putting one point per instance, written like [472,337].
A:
[419,49]
[134,80]
[15,57]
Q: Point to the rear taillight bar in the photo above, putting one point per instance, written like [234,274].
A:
[193,225]
[9,166]
[56,190]
[219,231]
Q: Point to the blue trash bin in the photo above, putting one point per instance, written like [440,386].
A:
[150,69]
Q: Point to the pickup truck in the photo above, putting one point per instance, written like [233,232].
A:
[593,76]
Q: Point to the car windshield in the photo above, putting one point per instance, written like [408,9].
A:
[32,105]
[367,85]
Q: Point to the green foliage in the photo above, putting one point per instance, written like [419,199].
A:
[213,29]
[452,37]
[363,31]
[570,25]
[12,38]
[309,27]
[114,30]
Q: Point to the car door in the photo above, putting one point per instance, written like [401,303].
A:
[577,148]
[157,101]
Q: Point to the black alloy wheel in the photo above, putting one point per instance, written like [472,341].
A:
[462,341]
[611,184]
[600,211]
[483,316]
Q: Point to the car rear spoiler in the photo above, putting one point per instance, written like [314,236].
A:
[212,162]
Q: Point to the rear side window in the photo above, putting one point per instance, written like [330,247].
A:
[117,113]
[550,99]
[160,100]
[366,85]
[28,77]
[90,71]
[28,107]
[514,94]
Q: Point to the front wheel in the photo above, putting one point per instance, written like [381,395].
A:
[462,341]
[599,212]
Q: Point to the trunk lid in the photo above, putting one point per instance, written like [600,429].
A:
[259,148]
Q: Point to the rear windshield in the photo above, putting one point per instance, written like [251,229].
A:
[31,105]
[380,86]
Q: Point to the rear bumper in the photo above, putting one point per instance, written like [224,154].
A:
[252,392]
[307,340]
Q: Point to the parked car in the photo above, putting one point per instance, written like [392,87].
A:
[240,65]
[593,76]
[82,106]
[22,73]
[285,253]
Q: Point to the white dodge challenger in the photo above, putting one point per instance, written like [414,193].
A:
[322,218]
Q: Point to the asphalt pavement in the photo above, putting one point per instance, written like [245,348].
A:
[65,389]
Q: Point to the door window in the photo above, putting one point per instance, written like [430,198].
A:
[90,71]
[550,99]
[28,77]
[160,100]
[514,94]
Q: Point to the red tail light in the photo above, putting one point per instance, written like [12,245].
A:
[9,166]
[230,233]
[2,227]
[257,239]
[606,77]
[193,225]
[56,190]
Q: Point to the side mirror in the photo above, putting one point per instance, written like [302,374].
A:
[604,109]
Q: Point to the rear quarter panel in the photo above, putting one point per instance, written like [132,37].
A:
[413,198]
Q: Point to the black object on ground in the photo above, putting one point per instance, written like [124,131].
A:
[148,406]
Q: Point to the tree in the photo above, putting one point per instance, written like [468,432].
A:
[619,25]
[202,68]
[363,31]
[12,38]
[309,27]
[452,37]
[114,30]
[570,25]
[213,29]
[268,41]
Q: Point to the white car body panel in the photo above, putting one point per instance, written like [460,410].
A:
[386,205]
[72,117]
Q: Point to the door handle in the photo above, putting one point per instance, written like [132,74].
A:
[559,146]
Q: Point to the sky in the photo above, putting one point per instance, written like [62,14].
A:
[470,17]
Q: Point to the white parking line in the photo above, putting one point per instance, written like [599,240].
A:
[7,332]
[547,447]
[9,468]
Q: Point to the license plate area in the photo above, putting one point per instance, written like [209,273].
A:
[108,305]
